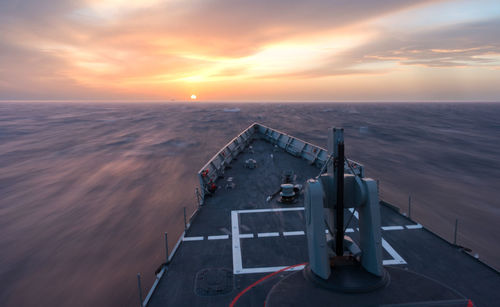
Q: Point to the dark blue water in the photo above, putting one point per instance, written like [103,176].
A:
[86,191]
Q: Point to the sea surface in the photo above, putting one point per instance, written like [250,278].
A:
[87,190]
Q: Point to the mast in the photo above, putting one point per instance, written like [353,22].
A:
[339,234]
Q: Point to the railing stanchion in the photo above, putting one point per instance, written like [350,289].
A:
[166,248]
[409,206]
[185,221]
[140,288]
[456,231]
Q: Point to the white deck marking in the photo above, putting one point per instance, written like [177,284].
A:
[221,237]
[392,227]
[237,262]
[269,269]
[293,233]
[192,239]
[418,226]
[397,259]
[236,236]
[268,234]
[355,213]
[390,262]
[235,231]
[269,210]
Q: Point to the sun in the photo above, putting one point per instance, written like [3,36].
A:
[193,97]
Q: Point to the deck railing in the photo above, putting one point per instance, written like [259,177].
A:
[215,167]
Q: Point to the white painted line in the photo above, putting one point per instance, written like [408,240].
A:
[355,213]
[392,262]
[293,233]
[397,259]
[269,269]
[237,257]
[192,239]
[393,253]
[237,262]
[268,234]
[221,237]
[246,235]
[269,210]
[392,227]
[418,226]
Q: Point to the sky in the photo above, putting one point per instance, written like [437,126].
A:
[242,50]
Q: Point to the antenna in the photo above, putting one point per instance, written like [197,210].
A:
[339,234]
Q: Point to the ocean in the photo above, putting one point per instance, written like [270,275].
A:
[87,190]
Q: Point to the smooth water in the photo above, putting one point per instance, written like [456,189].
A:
[87,191]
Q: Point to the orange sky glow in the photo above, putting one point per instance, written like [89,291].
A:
[233,50]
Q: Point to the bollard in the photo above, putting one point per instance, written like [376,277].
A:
[456,231]
[409,206]
[140,288]
[166,248]
[185,221]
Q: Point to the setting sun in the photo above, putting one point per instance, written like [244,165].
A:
[193,97]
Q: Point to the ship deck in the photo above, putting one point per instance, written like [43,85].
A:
[238,238]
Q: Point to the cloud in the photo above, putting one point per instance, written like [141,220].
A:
[455,46]
[459,45]
[30,73]
[110,48]
[91,43]
[237,28]
[215,27]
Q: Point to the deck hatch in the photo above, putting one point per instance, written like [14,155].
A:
[213,281]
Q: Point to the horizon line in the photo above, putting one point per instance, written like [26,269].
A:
[233,101]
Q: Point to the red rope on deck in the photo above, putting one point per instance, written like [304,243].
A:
[261,280]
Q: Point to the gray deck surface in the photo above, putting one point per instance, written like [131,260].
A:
[417,249]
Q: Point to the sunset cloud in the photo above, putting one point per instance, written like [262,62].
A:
[460,45]
[158,49]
